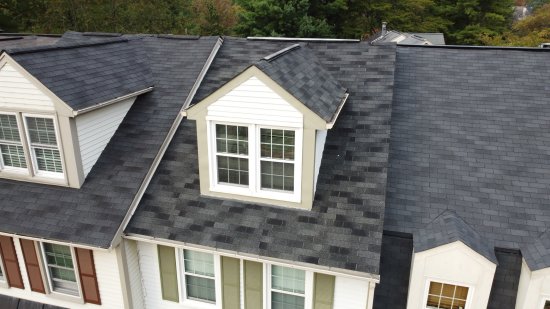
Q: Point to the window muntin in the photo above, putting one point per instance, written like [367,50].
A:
[288,288]
[232,154]
[277,159]
[200,283]
[12,154]
[59,261]
[446,296]
[43,145]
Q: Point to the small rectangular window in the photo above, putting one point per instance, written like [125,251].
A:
[288,288]
[43,144]
[11,148]
[232,154]
[59,260]
[199,273]
[277,159]
[446,296]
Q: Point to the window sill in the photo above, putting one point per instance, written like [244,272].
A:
[41,179]
[4,284]
[195,304]
[66,297]
[245,192]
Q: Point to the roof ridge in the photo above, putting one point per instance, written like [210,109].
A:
[27,50]
[519,48]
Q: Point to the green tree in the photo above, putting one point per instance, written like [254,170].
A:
[280,18]
[213,17]
[531,31]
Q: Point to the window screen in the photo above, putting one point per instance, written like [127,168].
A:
[61,268]
[287,288]
[232,154]
[199,276]
[11,149]
[277,159]
[446,296]
[43,144]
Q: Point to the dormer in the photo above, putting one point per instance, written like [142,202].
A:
[60,106]
[261,135]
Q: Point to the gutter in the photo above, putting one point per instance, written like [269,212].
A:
[141,191]
[257,258]
[112,101]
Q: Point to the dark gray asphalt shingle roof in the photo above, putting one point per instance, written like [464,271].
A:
[12,41]
[299,72]
[84,74]
[7,302]
[344,228]
[92,214]
[447,228]
[471,133]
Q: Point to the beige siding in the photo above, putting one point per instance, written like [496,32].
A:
[134,274]
[108,281]
[17,92]
[254,102]
[96,128]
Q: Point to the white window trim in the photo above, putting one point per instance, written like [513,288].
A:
[49,279]
[308,291]
[10,169]
[469,298]
[253,189]
[182,288]
[544,299]
[37,172]
[3,278]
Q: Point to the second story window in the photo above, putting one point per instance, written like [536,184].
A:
[11,147]
[199,272]
[43,144]
[256,160]
[446,296]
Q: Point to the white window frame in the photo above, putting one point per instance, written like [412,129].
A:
[11,169]
[36,171]
[49,279]
[469,298]
[543,301]
[3,278]
[308,289]
[254,182]
[182,288]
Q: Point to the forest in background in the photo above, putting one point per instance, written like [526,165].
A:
[470,22]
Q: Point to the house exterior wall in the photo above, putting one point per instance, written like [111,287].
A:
[534,288]
[107,269]
[349,292]
[96,128]
[18,93]
[454,263]
[254,102]
[320,138]
[135,279]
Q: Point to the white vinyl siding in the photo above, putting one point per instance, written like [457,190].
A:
[254,102]
[107,270]
[134,274]
[17,92]
[96,128]
[350,293]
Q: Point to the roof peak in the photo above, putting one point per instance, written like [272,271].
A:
[26,50]
[260,38]
[534,49]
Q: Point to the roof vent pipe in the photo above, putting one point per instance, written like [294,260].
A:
[384,28]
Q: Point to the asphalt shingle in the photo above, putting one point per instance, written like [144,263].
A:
[344,228]
[92,214]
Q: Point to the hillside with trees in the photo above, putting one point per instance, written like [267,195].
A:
[462,21]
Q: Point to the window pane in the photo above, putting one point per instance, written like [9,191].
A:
[277,144]
[446,296]
[232,139]
[277,175]
[288,279]
[200,288]
[435,288]
[232,170]
[448,290]
[547,304]
[8,128]
[199,263]
[285,301]
[41,131]
[13,155]
[461,292]
[48,160]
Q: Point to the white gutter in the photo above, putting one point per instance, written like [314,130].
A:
[72,244]
[137,198]
[113,101]
[333,121]
[263,259]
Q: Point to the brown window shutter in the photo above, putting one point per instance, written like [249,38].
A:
[33,266]
[11,265]
[88,277]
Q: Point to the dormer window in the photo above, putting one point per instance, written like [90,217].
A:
[255,160]
[41,144]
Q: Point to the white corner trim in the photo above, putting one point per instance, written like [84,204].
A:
[141,191]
